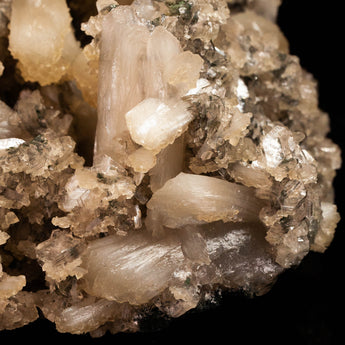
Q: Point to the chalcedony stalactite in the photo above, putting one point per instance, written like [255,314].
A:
[207,160]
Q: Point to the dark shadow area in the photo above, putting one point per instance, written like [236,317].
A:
[81,10]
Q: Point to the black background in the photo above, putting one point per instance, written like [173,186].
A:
[306,305]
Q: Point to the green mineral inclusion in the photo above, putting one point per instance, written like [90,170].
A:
[174,7]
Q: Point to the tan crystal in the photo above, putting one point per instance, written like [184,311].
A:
[10,285]
[81,318]
[154,124]
[119,282]
[170,162]
[34,22]
[195,199]
[207,163]
[123,87]
[4,236]
[60,256]
[330,219]
[142,160]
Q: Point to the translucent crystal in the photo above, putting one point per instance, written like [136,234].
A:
[154,124]
[114,276]
[195,199]
[9,286]
[142,160]
[176,151]
[158,67]
[41,38]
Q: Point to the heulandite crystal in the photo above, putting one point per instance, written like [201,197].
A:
[209,162]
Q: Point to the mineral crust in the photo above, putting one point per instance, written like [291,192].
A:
[179,150]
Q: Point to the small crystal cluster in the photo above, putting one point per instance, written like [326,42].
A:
[180,151]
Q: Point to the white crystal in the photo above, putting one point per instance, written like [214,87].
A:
[155,124]
[142,160]
[10,142]
[196,199]
[115,265]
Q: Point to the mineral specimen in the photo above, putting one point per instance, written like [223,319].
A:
[178,151]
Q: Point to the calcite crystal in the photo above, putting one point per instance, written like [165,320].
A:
[179,150]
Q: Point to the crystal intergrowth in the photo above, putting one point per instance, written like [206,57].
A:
[179,150]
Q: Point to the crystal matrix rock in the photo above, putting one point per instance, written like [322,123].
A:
[209,164]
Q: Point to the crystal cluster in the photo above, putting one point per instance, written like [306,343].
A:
[179,151]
